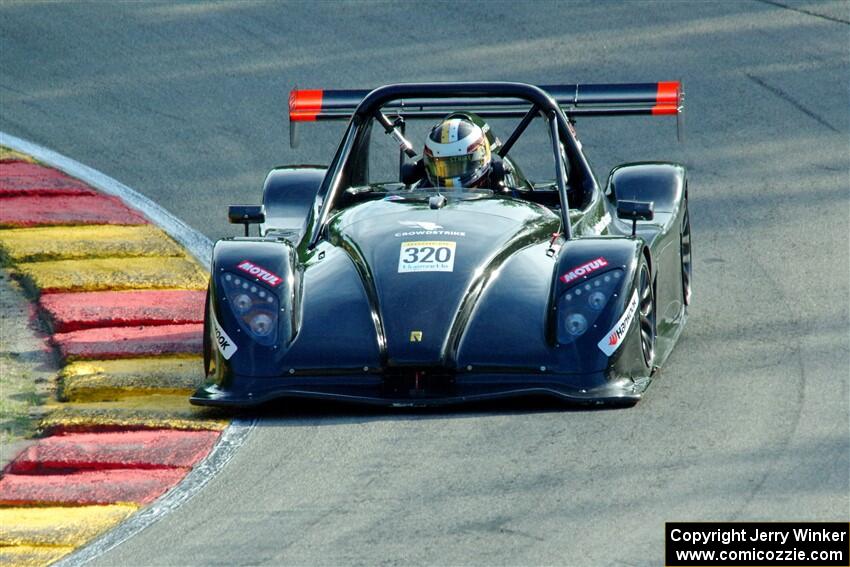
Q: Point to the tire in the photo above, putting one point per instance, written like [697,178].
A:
[207,343]
[646,315]
[685,255]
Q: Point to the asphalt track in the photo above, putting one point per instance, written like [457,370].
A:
[749,420]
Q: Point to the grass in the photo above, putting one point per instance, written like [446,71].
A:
[27,369]
[20,398]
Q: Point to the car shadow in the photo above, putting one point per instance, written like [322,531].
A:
[325,412]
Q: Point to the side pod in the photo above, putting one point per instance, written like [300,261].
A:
[252,314]
[583,265]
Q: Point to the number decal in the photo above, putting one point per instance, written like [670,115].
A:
[412,254]
[427,256]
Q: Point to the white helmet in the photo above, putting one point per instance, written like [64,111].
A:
[457,153]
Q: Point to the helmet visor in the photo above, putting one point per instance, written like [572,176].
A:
[452,166]
[463,167]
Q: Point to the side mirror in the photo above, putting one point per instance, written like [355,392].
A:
[246,215]
[635,211]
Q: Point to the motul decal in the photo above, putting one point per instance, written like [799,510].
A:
[270,278]
[225,344]
[584,269]
[614,338]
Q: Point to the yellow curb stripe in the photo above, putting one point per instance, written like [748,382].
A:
[104,380]
[114,274]
[80,421]
[94,241]
[155,410]
[59,526]
[7,154]
[31,556]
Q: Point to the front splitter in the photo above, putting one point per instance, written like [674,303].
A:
[253,391]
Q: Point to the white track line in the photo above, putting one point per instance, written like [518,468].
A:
[201,248]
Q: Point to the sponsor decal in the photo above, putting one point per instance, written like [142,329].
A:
[225,344]
[416,336]
[420,224]
[426,229]
[427,256]
[430,233]
[262,274]
[584,269]
[614,338]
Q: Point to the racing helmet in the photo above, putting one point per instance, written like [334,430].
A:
[458,151]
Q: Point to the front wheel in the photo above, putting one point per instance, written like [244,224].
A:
[207,341]
[646,319]
[687,265]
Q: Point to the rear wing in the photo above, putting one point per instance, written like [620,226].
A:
[613,99]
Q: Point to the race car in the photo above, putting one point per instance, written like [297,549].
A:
[394,291]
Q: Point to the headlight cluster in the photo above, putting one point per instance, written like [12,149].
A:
[581,304]
[255,307]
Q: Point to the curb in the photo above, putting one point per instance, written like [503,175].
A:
[122,433]
[123,308]
[197,244]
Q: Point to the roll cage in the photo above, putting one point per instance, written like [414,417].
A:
[489,99]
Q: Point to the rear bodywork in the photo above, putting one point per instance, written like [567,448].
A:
[353,322]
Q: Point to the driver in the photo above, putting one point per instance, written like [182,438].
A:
[458,153]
